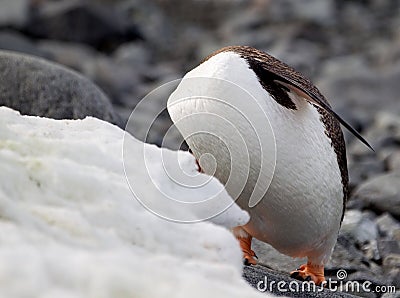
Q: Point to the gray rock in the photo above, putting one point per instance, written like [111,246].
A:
[371,251]
[388,226]
[383,134]
[118,76]
[347,257]
[178,29]
[156,27]
[321,12]
[73,55]
[391,261]
[352,84]
[364,169]
[394,276]
[117,80]
[134,54]
[387,247]
[35,86]
[391,295]
[388,121]
[301,54]
[381,193]
[78,21]
[14,13]
[159,74]
[207,13]
[14,41]
[359,227]
[271,258]
[393,161]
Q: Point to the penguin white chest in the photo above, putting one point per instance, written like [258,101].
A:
[276,159]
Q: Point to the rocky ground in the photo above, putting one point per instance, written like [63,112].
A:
[350,49]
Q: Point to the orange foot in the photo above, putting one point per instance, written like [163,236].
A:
[248,254]
[309,272]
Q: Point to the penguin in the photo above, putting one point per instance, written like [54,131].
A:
[260,126]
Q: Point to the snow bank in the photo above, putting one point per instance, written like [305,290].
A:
[70,226]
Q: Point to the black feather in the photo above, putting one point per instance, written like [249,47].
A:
[317,101]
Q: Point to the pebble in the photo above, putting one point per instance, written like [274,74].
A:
[116,80]
[11,40]
[393,161]
[73,55]
[364,169]
[359,227]
[392,261]
[14,13]
[381,193]
[387,247]
[388,226]
[95,24]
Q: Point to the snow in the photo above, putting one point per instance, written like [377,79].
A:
[71,227]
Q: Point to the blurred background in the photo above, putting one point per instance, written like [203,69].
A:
[349,48]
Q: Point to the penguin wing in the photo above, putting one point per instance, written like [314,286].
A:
[316,99]
[270,69]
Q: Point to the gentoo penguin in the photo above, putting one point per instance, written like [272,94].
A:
[291,153]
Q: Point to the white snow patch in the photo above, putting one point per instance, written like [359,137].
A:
[70,226]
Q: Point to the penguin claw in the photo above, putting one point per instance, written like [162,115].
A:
[249,260]
[249,257]
[294,274]
[309,272]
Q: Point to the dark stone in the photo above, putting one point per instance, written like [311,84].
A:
[362,170]
[391,261]
[388,226]
[13,41]
[37,87]
[394,274]
[78,21]
[393,161]
[271,258]
[359,226]
[347,256]
[387,247]
[381,193]
[72,55]
[116,80]
[351,84]
[14,13]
